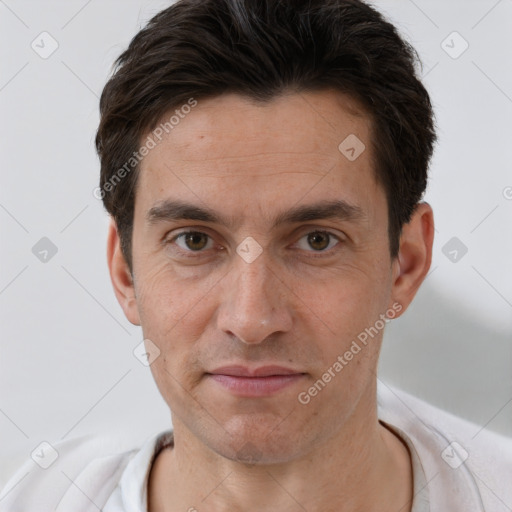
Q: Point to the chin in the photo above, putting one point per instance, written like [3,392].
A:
[259,442]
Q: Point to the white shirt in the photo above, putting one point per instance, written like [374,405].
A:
[457,466]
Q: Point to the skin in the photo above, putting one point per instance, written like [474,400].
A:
[298,304]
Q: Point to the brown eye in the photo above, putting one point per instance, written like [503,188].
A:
[318,240]
[193,240]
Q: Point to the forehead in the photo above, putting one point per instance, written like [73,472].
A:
[319,121]
[257,155]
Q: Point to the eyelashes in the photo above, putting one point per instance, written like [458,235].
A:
[195,243]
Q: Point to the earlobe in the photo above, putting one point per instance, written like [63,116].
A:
[415,255]
[120,275]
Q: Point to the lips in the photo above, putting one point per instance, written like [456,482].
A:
[262,371]
[247,382]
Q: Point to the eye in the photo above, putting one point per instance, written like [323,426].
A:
[319,241]
[193,241]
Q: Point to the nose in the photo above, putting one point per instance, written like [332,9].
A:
[254,304]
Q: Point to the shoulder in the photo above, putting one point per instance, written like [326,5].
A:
[74,471]
[452,447]
[477,437]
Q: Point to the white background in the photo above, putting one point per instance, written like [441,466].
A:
[67,367]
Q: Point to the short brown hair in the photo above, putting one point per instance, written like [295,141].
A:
[260,49]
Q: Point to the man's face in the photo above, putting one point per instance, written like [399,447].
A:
[296,294]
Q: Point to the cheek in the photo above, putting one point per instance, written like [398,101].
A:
[340,311]
[346,298]
[176,383]
[174,314]
[165,299]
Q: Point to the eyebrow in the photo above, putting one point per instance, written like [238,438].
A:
[175,210]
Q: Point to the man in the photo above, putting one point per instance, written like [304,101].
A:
[263,164]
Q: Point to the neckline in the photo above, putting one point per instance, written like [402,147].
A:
[421,495]
[420,503]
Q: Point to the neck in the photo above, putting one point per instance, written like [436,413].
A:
[361,467]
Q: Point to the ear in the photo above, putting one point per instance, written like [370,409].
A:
[120,275]
[415,255]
